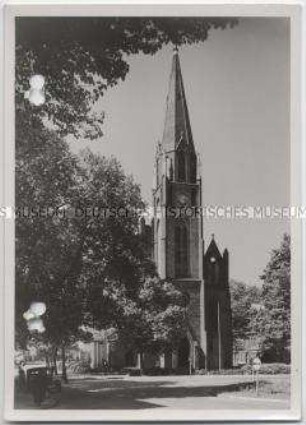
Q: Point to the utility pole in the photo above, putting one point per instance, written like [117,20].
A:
[219,337]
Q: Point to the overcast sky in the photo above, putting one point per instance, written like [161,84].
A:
[237,88]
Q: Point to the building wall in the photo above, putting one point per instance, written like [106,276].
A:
[193,225]
[206,287]
[217,309]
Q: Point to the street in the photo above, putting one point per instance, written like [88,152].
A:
[172,392]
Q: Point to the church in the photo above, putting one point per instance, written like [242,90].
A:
[179,253]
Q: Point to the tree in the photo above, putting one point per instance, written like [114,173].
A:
[90,269]
[164,309]
[81,268]
[48,246]
[81,57]
[243,300]
[123,290]
[155,321]
[113,258]
[45,181]
[276,294]
[77,72]
[75,264]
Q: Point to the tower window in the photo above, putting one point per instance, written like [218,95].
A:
[193,168]
[194,197]
[157,172]
[157,247]
[181,166]
[181,251]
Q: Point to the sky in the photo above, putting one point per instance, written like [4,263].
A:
[237,89]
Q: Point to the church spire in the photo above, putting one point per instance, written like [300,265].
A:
[177,124]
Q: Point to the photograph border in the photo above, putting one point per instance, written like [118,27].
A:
[238,9]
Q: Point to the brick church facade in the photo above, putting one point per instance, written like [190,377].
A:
[178,248]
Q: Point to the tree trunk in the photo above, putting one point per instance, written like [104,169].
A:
[64,371]
[140,361]
[47,360]
[54,361]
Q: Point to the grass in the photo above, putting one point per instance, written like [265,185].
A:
[277,387]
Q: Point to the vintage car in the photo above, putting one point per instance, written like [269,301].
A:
[38,379]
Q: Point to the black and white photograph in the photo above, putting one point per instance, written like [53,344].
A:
[152,216]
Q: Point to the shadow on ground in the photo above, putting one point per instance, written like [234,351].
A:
[126,394]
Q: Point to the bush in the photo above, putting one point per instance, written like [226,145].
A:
[77,366]
[221,372]
[275,368]
[158,371]
[132,371]
[270,368]
[265,369]
[135,372]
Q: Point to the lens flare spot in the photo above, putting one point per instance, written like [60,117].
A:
[28,315]
[37,82]
[36,94]
[38,308]
[36,325]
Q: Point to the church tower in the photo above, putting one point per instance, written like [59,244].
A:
[178,230]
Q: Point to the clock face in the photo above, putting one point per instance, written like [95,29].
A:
[182,199]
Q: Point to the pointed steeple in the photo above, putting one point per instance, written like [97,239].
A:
[177,124]
[213,249]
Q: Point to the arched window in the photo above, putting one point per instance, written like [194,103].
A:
[181,166]
[193,168]
[157,171]
[181,251]
[193,197]
[157,243]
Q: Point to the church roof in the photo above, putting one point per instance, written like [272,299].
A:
[177,127]
[213,249]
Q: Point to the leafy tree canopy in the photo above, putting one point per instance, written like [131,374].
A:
[81,57]
[91,270]
[264,314]
[46,245]
[85,269]
[276,293]
[243,299]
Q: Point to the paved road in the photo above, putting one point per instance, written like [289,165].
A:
[172,392]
